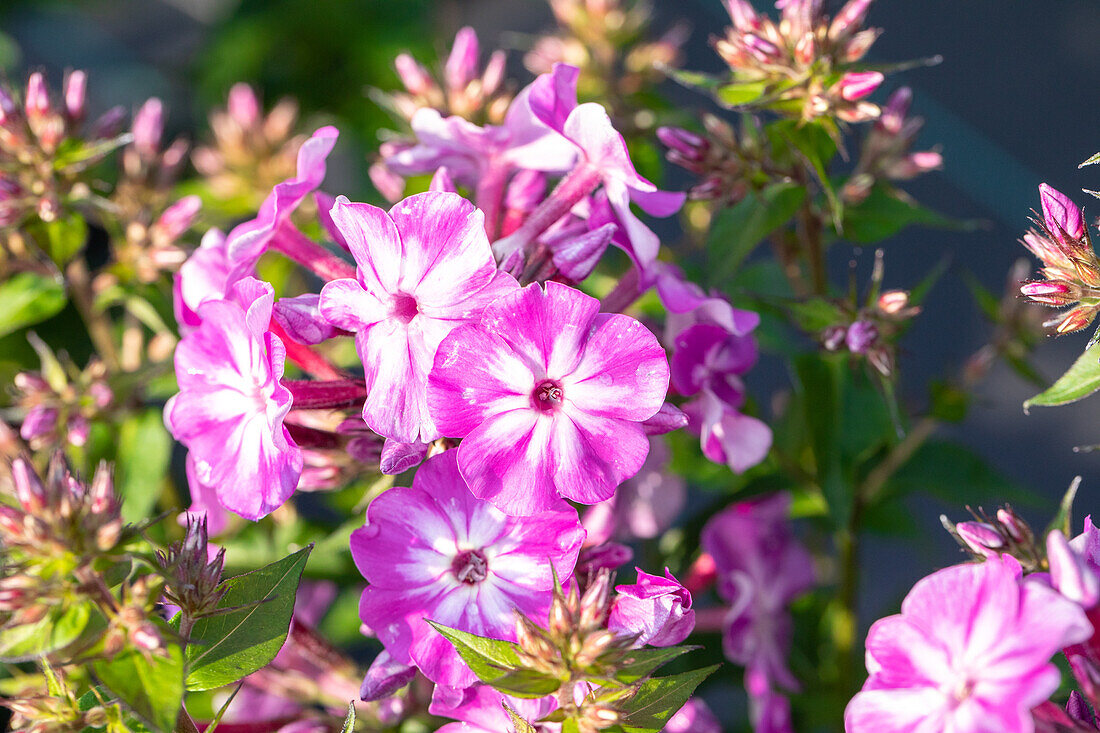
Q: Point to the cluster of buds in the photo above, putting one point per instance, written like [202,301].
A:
[130,619]
[59,402]
[1061,242]
[729,164]
[886,152]
[151,225]
[58,528]
[802,64]
[464,88]
[43,155]
[251,151]
[870,331]
[54,707]
[1004,533]
[608,40]
[194,578]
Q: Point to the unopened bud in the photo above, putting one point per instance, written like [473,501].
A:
[461,66]
[861,336]
[1015,526]
[244,106]
[148,127]
[893,302]
[849,19]
[858,84]
[28,487]
[1051,293]
[37,103]
[75,88]
[980,537]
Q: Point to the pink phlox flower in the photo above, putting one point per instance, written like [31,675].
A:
[434,551]
[693,717]
[548,395]
[760,569]
[553,101]
[656,609]
[970,651]
[230,408]
[220,261]
[423,268]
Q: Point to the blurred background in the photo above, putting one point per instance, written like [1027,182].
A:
[1010,104]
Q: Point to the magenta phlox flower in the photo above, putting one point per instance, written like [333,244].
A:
[760,569]
[553,101]
[230,408]
[643,506]
[970,651]
[687,305]
[479,709]
[423,268]
[247,241]
[1075,564]
[220,260]
[434,551]
[548,396]
[657,610]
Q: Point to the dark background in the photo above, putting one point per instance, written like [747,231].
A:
[1012,105]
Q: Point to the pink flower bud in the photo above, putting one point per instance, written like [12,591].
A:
[688,144]
[461,66]
[1050,293]
[179,217]
[414,77]
[494,72]
[399,457]
[761,49]
[893,301]
[894,111]
[28,487]
[849,19]
[914,165]
[804,49]
[37,104]
[860,336]
[668,418]
[39,422]
[148,127]
[1016,528]
[859,44]
[244,105]
[1069,573]
[77,430]
[75,86]
[980,537]
[858,84]
[1060,214]
[743,15]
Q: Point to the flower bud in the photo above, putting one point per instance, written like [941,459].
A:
[1061,214]
[1051,293]
[37,103]
[244,106]
[75,91]
[148,127]
[858,84]
[894,111]
[461,66]
[28,487]
[893,302]
[1015,526]
[848,19]
[743,15]
[980,537]
[860,336]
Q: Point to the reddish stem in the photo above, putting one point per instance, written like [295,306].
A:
[326,394]
[309,360]
[307,253]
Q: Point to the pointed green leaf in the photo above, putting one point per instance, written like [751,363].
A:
[149,687]
[224,648]
[496,663]
[885,212]
[735,95]
[642,662]
[1063,520]
[27,298]
[1091,161]
[1079,381]
[349,719]
[658,699]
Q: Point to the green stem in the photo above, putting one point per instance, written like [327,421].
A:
[99,329]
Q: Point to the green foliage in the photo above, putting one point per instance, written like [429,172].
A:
[737,230]
[496,663]
[28,298]
[884,213]
[61,626]
[258,607]
[643,662]
[658,698]
[1079,381]
[349,719]
[150,685]
[144,450]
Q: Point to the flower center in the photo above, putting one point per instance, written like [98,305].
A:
[470,566]
[548,396]
[404,307]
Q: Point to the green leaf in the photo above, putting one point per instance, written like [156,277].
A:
[150,687]
[227,647]
[738,229]
[814,315]
[496,663]
[518,721]
[144,451]
[63,237]
[735,95]
[1079,381]
[658,699]
[56,630]
[696,80]
[1091,161]
[884,213]
[1063,520]
[956,475]
[349,719]
[642,662]
[27,298]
